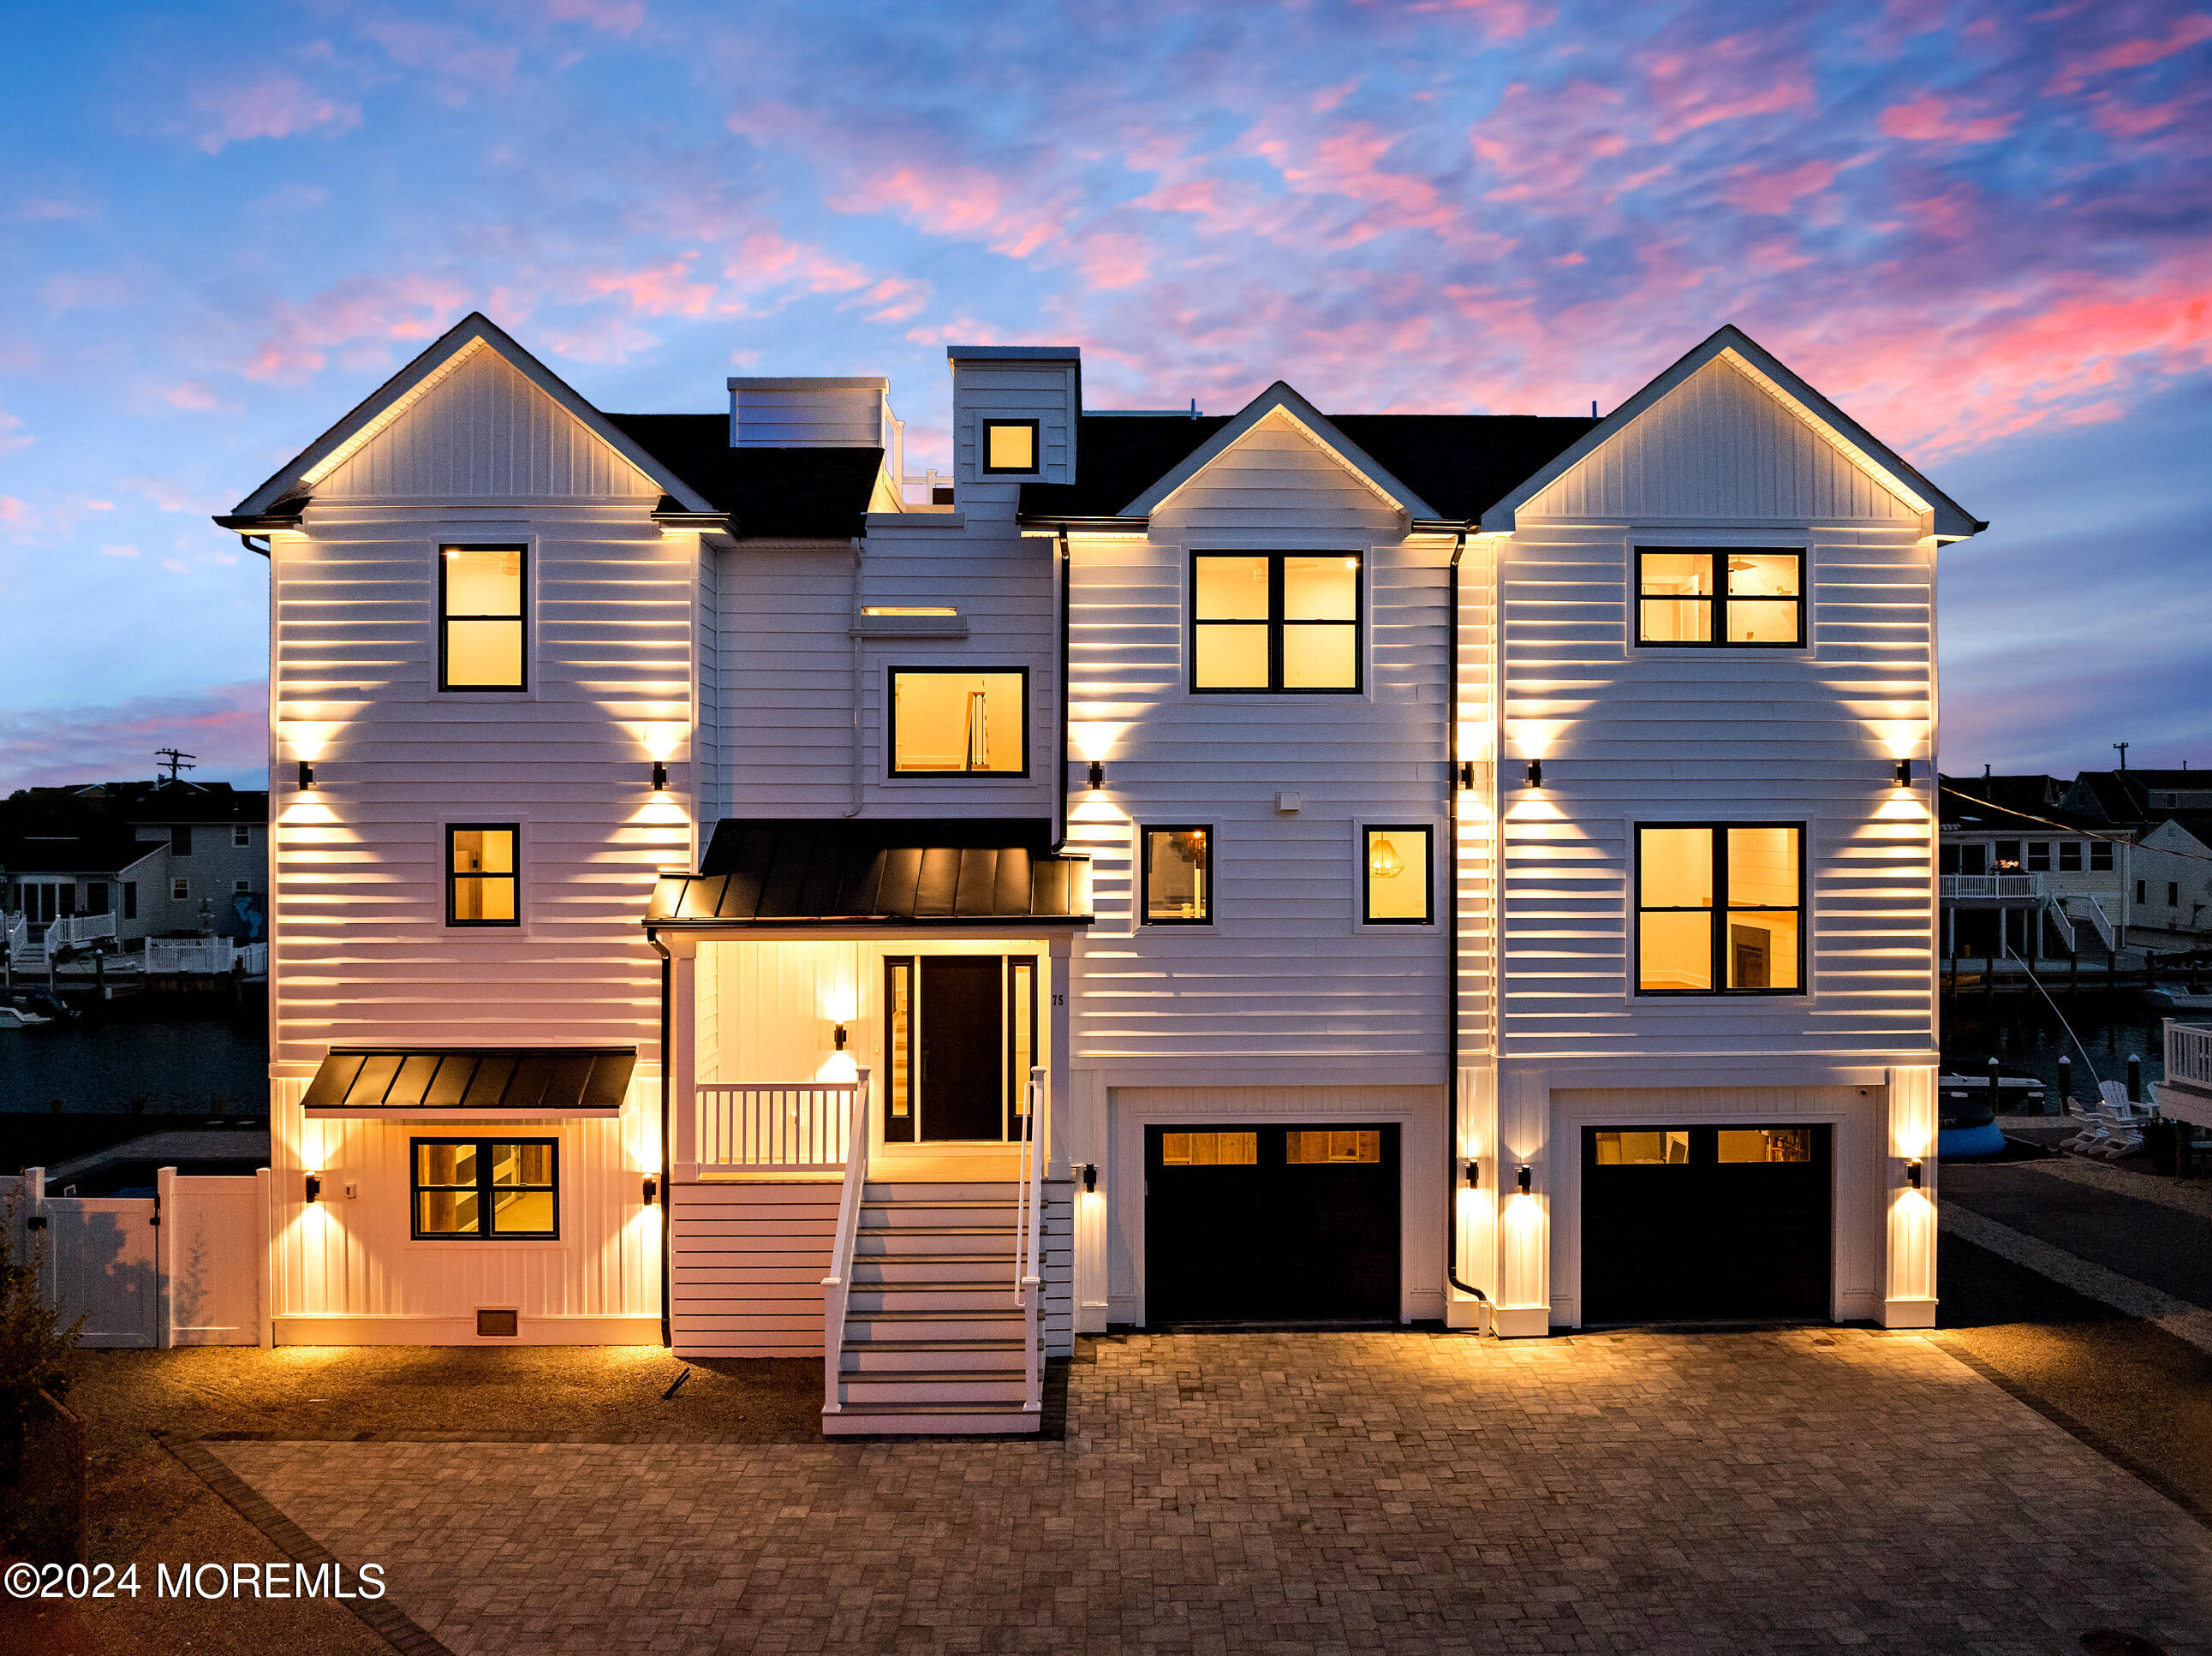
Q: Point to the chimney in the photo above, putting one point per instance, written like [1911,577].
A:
[1014,409]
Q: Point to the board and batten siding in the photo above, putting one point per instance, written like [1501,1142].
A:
[1285,987]
[1633,736]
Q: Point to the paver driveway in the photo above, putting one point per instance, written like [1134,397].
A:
[1646,1492]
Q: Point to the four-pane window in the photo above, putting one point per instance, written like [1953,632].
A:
[480,597]
[485,1189]
[1275,621]
[484,874]
[1729,597]
[1719,907]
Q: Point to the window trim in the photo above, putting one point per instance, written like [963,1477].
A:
[1275,623]
[1719,601]
[985,426]
[240,835]
[485,1234]
[521,619]
[1719,907]
[448,831]
[1145,831]
[180,889]
[890,726]
[1428,833]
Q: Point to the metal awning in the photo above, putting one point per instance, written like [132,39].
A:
[799,873]
[486,1082]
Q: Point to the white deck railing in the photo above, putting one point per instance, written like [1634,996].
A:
[77,929]
[2188,1054]
[837,1286]
[778,1126]
[214,955]
[1992,885]
[1028,1272]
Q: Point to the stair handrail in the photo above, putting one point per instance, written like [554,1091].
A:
[837,1287]
[1028,1276]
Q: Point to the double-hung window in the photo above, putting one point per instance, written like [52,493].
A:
[2069,856]
[1178,876]
[1735,597]
[484,874]
[1276,622]
[485,1189]
[480,599]
[1719,908]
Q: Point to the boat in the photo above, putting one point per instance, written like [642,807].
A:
[15,1017]
[1967,1125]
[2177,1000]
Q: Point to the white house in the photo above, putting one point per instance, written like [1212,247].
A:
[1459,867]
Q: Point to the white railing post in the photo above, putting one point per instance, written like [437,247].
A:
[1029,1273]
[836,1286]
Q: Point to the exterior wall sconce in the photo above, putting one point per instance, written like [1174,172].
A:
[651,1189]
[1473,1173]
[314,1187]
[1905,772]
[1466,776]
[1912,1173]
[1522,1181]
[1089,1177]
[839,1037]
[306,774]
[1535,772]
[1097,775]
[661,776]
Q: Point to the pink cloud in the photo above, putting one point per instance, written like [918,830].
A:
[194,394]
[225,726]
[1777,192]
[614,16]
[1924,120]
[364,316]
[11,437]
[658,290]
[2138,53]
[1730,79]
[276,104]
[12,510]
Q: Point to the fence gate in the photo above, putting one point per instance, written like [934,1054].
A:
[100,1264]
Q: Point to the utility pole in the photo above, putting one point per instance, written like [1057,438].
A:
[2123,747]
[172,761]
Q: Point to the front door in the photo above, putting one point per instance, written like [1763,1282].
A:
[960,1035]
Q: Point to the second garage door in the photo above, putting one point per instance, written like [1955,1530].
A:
[1706,1223]
[1271,1224]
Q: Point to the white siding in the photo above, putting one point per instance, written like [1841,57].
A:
[786,413]
[1012,389]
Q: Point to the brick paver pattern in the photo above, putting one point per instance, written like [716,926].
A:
[1804,1489]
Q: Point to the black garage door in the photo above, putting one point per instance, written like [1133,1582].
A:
[1704,1223]
[1271,1224]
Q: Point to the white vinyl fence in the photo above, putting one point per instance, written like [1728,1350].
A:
[187,1265]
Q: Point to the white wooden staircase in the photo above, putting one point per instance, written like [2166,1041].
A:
[935,1340]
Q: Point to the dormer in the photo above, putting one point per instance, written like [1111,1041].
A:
[1014,410]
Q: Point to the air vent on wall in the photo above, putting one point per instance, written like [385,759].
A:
[505,1323]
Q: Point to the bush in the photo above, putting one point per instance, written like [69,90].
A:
[34,1346]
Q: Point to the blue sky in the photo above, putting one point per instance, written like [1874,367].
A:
[1983,229]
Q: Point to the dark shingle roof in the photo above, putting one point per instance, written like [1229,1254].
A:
[799,493]
[1987,804]
[1460,463]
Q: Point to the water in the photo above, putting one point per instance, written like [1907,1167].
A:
[147,1056]
[2025,1037]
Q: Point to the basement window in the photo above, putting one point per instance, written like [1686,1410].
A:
[1010,446]
[1719,909]
[480,596]
[485,1190]
[1735,597]
[959,721]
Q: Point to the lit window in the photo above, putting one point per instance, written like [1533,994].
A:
[1641,1147]
[1720,595]
[1396,874]
[1210,1149]
[485,1189]
[1718,909]
[481,874]
[480,607]
[1178,876]
[1337,1146]
[1766,1144]
[2008,854]
[1275,621]
[1010,446]
[959,721]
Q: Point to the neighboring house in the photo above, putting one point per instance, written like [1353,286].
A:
[1461,867]
[2021,869]
[165,859]
[2171,871]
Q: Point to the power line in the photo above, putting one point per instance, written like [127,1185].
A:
[2068,828]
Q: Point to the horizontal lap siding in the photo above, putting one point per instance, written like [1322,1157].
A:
[1285,985]
[1651,735]
[749,1263]
[784,713]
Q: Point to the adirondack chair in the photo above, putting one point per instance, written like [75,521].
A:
[2116,1125]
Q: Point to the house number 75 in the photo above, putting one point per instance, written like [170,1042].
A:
[1059,1000]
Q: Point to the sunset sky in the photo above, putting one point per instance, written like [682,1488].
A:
[1984,230]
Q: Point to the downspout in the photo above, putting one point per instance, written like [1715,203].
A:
[854,627]
[1066,570]
[667,1167]
[1451,932]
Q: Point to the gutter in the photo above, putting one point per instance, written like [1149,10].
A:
[1451,933]
[667,1166]
[1066,571]
[860,788]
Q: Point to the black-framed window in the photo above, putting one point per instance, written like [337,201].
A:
[484,874]
[1177,881]
[1720,908]
[482,591]
[1010,447]
[1397,874]
[485,1189]
[959,721]
[1286,622]
[1720,596]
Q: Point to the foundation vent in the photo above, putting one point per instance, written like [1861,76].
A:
[507,1324]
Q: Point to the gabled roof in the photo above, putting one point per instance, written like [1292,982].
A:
[292,481]
[1986,804]
[1950,519]
[1279,399]
[767,493]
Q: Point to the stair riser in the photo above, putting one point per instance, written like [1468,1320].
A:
[881,1297]
[894,1360]
[858,1330]
[890,1389]
[905,1216]
[902,1190]
[1010,1424]
[877,1242]
[896,1268]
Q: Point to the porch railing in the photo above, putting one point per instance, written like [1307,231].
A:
[1029,1273]
[77,929]
[837,1286]
[1992,885]
[779,1126]
[2188,1054]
